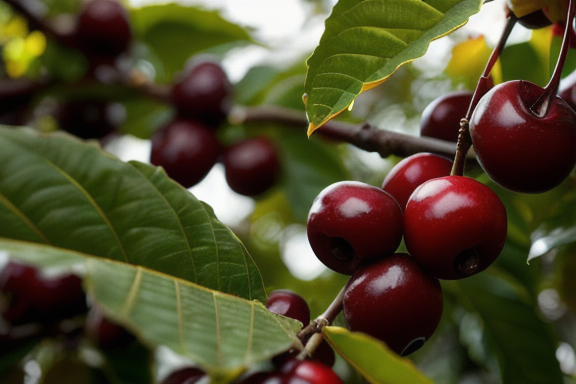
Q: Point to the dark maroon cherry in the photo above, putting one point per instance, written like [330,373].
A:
[105,333]
[202,91]
[89,119]
[311,372]
[454,226]
[186,375]
[251,166]
[412,171]
[186,149]
[441,118]
[287,303]
[34,297]
[517,146]
[351,223]
[104,26]
[395,301]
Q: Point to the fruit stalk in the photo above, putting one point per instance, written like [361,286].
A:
[464,142]
[542,105]
[324,319]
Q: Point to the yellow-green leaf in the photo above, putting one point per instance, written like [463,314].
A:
[373,359]
[366,41]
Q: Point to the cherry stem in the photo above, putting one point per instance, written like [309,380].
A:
[542,105]
[482,87]
[324,319]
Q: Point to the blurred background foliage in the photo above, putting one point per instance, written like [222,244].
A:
[514,323]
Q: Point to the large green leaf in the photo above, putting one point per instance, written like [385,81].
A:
[60,191]
[365,41]
[222,333]
[176,32]
[523,343]
[377,363]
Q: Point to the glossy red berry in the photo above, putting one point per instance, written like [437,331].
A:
[186,375]
[516,146]
[34,297]
[310,372]
[454,226]
[351,223]
[441,118]
[203,91]
[104,27]
[186,149]
[395,301]
[105,333]
[251,166]
[412,171]
[287,303]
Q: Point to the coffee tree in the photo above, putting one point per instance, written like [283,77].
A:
[448,257]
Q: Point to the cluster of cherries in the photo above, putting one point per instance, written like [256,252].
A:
[187,146]
[34,304]
[288,367]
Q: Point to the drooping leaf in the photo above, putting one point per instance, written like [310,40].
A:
[176,32]
[523,344]
[60,191]
[366,41]
[222,333]
[373,359]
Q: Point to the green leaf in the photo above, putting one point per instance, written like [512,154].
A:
[523,343]
[61,191]
[373,359]
[367,41]
[177,32]
[222,333]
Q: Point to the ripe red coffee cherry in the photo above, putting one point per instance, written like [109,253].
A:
[104,27]
[251,166]
[186,375]
[441,118]
[202,91]
[394,300]
[106,334]
[38,298]
[186,149]
[351,223]
[454,226]
[412,171]
[519,149]
[287,303]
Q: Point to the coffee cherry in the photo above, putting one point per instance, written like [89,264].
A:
[202,91]
[441,118]
[454,226]
[186,375]
[34,297]
[106,334]
[351,223]
[251,166]
[287,303]
[395,301]
[310,372]
[186,149]
[518,148]
[412,171]
[104,26]
[89,119]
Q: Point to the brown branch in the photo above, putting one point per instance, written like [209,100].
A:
[363,136]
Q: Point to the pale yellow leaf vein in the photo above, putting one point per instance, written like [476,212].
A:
[95,205]
[11,207]
[218,336]
[131,299]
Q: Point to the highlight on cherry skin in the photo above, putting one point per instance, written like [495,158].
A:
[441,118]
[520,148]
[351,222]
[412,171]
[288,303]
[454,226]
[395,301]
